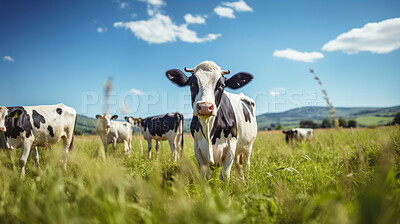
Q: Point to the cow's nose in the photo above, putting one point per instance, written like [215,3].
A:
[205,108]
[3,129]
[108,126]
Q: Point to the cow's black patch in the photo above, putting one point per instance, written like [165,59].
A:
[225,121]
[250,106]
[50,128]
[219,90]
[16,122]
[194,87]
[195,126]
[246,113]
[59,111]
[37,119]
[160,125]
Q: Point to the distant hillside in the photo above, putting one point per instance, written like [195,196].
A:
[364,115]
[85,124]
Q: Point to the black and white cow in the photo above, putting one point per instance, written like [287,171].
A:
[31,126]
[224,125]
[114,132]
[298,134]
[160,128]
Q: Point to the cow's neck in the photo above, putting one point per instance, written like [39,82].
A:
[222,125]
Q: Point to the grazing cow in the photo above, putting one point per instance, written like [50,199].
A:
[114,132]
[298,134]
[32,126]
[160,128]
[224,125]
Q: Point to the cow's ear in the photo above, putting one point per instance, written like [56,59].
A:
[284,131]
[98,116]
[126,118]
[177,76]
[114,117]
[238,80]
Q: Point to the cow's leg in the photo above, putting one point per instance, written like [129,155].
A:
[26,148]
[173,149]
[126,147]
[157,146]
[66,143]
[35,156]
[149,147]
[114,143]
[204,169]
[130,146]
[230,157]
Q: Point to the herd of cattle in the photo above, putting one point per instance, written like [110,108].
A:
[224,125]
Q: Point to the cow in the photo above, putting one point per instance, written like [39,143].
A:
[112,131]
[224,125]
[298,134]
[160,128]
[31,126]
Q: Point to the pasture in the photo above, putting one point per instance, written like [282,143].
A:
[341,176]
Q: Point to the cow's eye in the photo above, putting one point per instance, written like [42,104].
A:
[192,85]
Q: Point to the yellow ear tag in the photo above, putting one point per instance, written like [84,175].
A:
[16,115]
[140,119]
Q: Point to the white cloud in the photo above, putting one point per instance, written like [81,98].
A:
[123,5]
[154,2]
[8,58]
[298,56]
[224,12]
[195,19]
[382,37]
[277,91]
[100,30]
[136,91]
[239,6]
[160,29]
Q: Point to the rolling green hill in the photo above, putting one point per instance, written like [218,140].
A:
[365,116]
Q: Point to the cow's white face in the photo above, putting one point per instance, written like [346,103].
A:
[104,122]
[206,88]
[207,85]
[3,115]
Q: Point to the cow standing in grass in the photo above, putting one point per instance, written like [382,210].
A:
[113,132]
[298,134]
[160,128]
[31,126]
[224,125]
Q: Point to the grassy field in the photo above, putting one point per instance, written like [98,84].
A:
[342,176]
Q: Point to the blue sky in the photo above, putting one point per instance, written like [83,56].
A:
[64,51]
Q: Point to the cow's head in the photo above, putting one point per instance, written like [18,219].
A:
[104,122]
[133,121]
[207,83]
[3,116]
[289,135]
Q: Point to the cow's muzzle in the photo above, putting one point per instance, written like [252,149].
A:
[2,129]
[205,108]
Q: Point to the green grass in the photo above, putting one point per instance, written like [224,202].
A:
[342,176]
[374,120]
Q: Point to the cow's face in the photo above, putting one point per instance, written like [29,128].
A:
[3,116]
[133,121]
[207,85]
[104,122]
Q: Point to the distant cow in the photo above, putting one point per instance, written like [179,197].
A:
[114,132]
[298,134]
[160,128]
[224,125]
[31,126]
